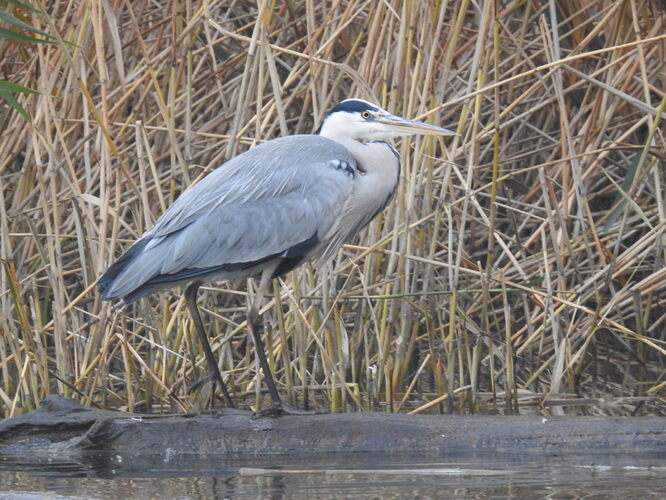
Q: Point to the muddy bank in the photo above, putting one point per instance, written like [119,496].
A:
[62,429]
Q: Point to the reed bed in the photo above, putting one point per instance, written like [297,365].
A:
[520,267]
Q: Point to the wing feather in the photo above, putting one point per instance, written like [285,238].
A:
[262,203]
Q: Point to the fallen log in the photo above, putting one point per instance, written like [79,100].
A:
[62,429]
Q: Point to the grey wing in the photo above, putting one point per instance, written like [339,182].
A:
[249,231]
[278,199]
[271,169]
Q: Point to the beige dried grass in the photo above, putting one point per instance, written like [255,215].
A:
[521,264]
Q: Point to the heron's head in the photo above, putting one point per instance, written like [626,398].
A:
[361,121]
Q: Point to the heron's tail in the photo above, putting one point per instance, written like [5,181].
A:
[116,282]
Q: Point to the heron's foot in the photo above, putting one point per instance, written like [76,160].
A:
[278,408]
[214,378]
[208,378]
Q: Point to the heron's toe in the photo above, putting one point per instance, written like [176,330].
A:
[278,408]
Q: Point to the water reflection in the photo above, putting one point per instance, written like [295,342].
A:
[352,476]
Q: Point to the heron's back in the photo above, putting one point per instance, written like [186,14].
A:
[278,200]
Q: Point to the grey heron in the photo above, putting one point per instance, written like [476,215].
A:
[265,212]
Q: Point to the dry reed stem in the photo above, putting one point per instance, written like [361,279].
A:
[521,264]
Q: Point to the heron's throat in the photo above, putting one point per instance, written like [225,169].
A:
[357,148]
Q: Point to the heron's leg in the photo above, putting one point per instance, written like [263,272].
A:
[213,370]
[277,406]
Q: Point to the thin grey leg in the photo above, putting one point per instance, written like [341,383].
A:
[277,406]
[213,370]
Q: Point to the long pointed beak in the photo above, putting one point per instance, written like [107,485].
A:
[403,126]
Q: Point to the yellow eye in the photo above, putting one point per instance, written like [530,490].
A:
[365,115]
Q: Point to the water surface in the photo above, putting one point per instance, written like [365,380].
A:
[340,476]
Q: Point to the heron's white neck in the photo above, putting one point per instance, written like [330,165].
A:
[379,166]
[371,156]
[364,153]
